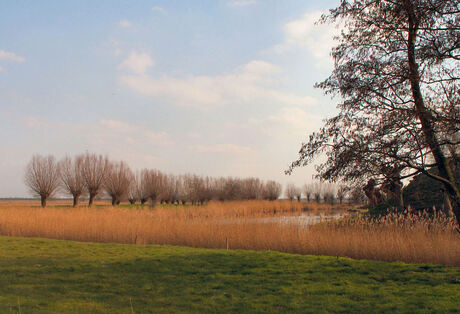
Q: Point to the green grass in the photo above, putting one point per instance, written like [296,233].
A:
[45,276]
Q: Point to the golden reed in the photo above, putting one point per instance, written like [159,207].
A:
[399,237]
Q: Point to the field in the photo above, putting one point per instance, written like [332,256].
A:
[253,225]
[48,276]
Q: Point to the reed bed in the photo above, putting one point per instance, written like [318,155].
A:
[398,237]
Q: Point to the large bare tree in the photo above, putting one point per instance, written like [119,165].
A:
[71,171]
[252,188]
[342,192]
[291,191]
[272,190]
[118,180]
[94,171]
[318,191]
[137,191]
[308,191]
[396,72]
[181,190]
[154,183]
[42,177]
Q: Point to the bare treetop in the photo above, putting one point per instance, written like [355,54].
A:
[94,171]
[118,181]
[71,171]
[272,190]
[292,191]
[42,177]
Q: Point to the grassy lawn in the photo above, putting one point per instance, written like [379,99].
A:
[44,276]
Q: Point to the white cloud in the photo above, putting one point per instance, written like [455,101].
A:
[124,23]
[261,67]
[136,144]
[240,3]
[226,148]
[158,9]
[318,39]
[289,122]
[132,133]
[2,69]
[248,84]
[107,133]
[137,63]
[10,56]
[296,118]
[34,122]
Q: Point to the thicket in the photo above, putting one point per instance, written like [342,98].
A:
[424,192]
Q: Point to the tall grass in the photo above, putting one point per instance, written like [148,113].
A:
[398,237]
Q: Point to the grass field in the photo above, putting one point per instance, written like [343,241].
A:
[44,276]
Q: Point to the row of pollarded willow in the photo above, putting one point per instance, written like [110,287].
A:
[91,175]
[327,192]
[156,186]
[87,173]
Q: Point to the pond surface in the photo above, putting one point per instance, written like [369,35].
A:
[304,219]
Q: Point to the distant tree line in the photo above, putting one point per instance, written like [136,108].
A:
[92,175]
[324,192]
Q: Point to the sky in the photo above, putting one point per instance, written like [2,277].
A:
[212,87]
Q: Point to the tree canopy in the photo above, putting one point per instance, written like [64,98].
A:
[396,76]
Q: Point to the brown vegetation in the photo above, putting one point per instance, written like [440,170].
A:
[118,180]
[42,177]
[72,177]
[244,224]
[94,171]
[292,192]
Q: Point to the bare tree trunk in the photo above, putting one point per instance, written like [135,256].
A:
[447,207]
[43,200]
[426,118]
[75,200]
[398,197]
[91,200]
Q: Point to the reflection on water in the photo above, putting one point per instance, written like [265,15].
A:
[303,219]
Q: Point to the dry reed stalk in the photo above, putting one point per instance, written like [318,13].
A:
[398,237]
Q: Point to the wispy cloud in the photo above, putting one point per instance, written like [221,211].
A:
[240,3]
[10,56]
[252,83]
[226,148]
[124,23]
[132,133]
[34,122]
[304,33]
[106,133]
[288,122]
[158,9]
[137,63]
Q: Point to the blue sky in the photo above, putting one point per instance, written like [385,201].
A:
[217,87]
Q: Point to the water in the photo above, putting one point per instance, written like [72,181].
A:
[304,219]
